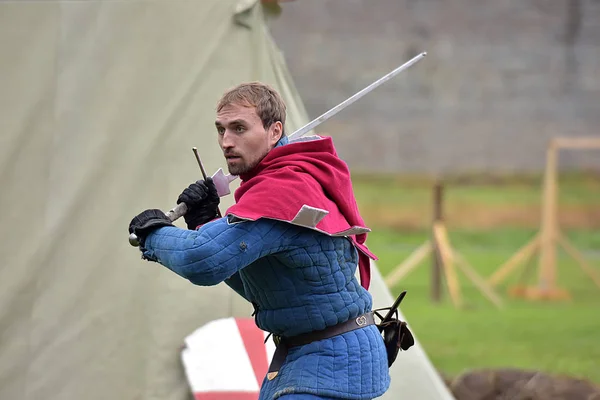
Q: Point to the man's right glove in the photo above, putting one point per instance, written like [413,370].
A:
[202,201]
[146,222]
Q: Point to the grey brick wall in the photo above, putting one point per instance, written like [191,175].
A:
[501,78]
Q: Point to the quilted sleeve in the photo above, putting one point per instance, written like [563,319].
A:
[218,249]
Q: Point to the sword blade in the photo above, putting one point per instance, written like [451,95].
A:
[324,117]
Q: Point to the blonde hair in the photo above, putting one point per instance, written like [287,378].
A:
[269,105]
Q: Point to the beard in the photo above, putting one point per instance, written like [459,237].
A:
[239,168]
[243,165]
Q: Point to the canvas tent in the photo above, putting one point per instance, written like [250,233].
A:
[100,104]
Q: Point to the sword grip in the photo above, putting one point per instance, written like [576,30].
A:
[173,214]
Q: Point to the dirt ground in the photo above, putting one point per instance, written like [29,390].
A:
[514,384]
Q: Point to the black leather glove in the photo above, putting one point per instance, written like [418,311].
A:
[202,202]
[147,221]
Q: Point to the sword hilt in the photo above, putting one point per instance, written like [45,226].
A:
[173,214]
[178,211]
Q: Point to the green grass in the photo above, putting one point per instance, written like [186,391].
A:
[557,337]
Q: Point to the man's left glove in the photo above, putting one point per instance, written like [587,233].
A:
[202,202]
[146,222]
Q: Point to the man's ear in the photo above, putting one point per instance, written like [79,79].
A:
[275,132]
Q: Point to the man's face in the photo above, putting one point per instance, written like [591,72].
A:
[242,137]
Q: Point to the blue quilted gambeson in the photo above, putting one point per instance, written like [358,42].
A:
[299,280]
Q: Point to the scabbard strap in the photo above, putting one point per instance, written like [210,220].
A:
[284,343]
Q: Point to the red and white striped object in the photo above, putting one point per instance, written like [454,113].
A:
[227,359]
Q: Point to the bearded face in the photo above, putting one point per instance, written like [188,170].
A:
[243,138]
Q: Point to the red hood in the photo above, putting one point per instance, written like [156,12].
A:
[305,173]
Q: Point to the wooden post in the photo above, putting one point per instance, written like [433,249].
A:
[442,262]
[550,235]
[547,267]
[436,267]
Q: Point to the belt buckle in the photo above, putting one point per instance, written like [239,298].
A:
[361,321]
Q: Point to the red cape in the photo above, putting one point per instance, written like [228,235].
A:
[305,173]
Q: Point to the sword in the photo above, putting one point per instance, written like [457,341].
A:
[222,180]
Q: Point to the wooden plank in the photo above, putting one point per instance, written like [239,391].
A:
[512,263]
[477,280]
[577,256]
[441,237]
[584,142]
[413,260]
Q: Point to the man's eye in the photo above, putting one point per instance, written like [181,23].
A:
[239,129]
[220,130]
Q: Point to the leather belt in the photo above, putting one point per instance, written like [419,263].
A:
[284,343]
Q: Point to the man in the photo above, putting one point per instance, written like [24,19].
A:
[290,246]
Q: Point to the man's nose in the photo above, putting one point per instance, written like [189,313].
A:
[227,140]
